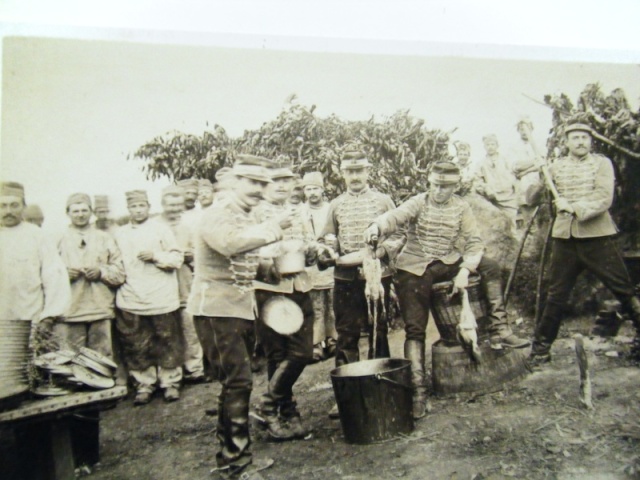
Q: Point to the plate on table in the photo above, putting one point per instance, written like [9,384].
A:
[98,357]
[92,379]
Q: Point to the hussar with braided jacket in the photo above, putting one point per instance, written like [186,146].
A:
[443,243]
[583,238]
[287,354]
[349,215]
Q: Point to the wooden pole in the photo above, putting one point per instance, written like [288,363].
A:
[585,376]
[512,274]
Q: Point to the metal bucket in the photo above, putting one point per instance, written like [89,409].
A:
[446,312]
[14,357]
[375,399]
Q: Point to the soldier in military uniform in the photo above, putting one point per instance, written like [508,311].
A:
[287,355]
[348,217]
[583,238]
[223,302]
[443,243]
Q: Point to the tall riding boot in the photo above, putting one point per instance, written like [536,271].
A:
[290,414]
[631,307]
[235,452]
[382,343]
[279,388]
[501,334]
[545,333]
[344,357]
[414,352]
[220,424]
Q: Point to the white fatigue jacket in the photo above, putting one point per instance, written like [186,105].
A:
[151,288]
[91,301]
[34,283]
[184,236]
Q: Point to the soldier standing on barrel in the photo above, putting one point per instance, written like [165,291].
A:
[348,216]
[583,238]
[443,244]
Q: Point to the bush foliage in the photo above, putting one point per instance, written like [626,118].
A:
[400,147]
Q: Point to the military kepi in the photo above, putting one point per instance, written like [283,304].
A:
[444,173]
[253,167]
[354,160]
[578,127]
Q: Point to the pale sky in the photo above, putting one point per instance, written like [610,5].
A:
[73,109]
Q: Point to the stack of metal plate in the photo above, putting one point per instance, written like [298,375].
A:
[14,357]
[64,371]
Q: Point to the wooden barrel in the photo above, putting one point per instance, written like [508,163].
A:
[446,312]
[454,371]
[14,357]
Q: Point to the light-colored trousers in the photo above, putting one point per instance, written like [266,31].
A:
[324,319]
[95,335]
[147,379]
[193,366]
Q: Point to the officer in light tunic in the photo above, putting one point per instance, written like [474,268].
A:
[443,243]
[583,238]
[222,299]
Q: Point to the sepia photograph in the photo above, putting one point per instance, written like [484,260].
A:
[268,241]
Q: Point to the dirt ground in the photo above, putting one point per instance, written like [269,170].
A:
[535,428]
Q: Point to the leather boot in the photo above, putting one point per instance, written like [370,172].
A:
[279,389]
[414,352]
[501,334]
[631,307]
[236,441]
[344,357]
[290,414]
[382,345]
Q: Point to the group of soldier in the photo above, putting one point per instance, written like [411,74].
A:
[193,283]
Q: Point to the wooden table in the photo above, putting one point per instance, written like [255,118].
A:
[45,434]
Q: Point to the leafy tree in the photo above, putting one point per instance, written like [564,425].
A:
[400,147]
